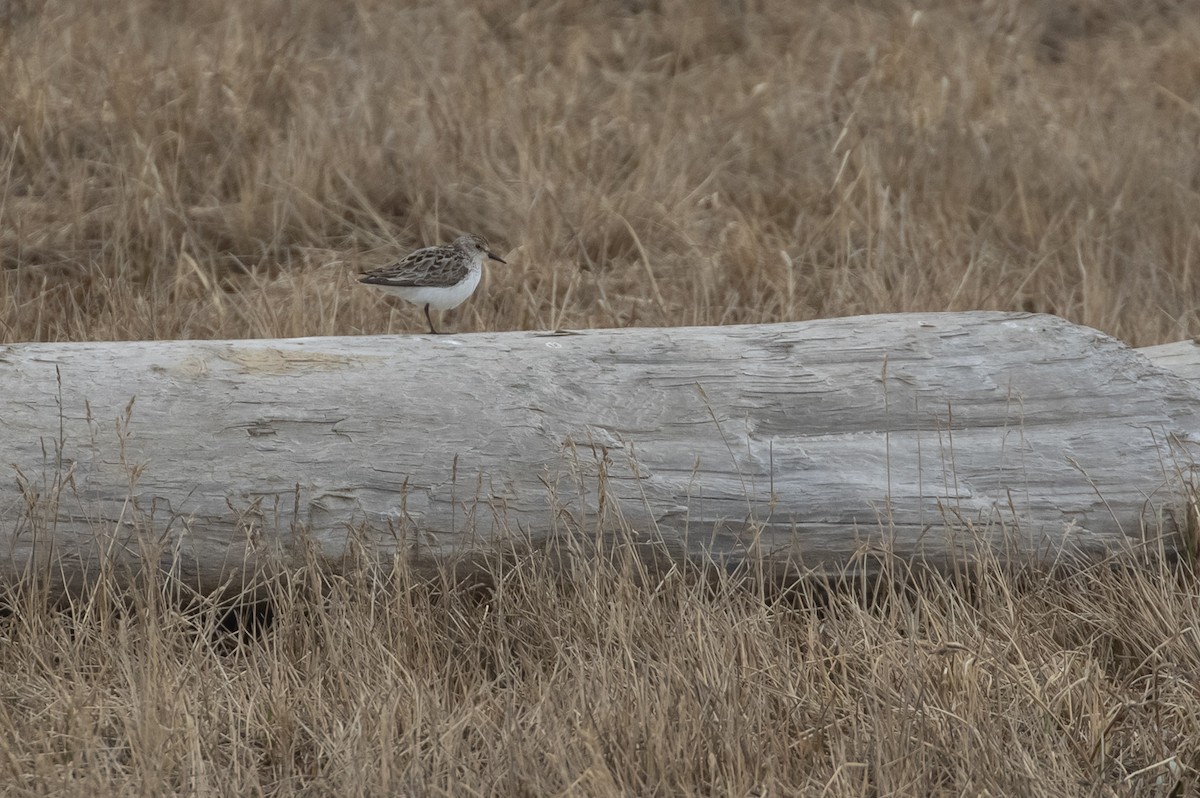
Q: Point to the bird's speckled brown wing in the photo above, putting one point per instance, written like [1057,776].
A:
[431,266]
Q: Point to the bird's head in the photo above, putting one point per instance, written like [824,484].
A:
[474,245]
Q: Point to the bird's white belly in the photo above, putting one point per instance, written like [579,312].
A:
[439,297]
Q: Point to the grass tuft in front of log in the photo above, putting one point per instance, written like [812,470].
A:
[520,677]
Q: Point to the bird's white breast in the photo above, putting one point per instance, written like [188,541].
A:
[440,297]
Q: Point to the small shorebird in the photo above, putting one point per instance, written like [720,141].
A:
[436,277]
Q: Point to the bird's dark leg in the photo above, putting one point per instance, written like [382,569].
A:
[428,319]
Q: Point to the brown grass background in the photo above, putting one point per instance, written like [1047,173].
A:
[215,169]
[201,170]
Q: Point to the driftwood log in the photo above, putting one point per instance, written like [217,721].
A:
[928,435]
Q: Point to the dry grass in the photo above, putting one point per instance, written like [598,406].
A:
[200,171]
[220,170]
[611,683]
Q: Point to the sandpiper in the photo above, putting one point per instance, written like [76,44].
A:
[436,277]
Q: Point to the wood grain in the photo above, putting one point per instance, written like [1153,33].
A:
[924,434]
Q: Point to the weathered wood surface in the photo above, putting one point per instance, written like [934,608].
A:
[1180,357]
[927,434]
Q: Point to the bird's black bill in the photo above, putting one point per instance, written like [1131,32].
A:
[497,257]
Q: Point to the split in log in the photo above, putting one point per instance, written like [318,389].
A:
[927,435]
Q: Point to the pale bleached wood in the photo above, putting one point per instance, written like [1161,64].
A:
[1180,357]
[926,434]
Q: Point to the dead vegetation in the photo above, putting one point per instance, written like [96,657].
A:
[220,170]
[207,171]
[612,682]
